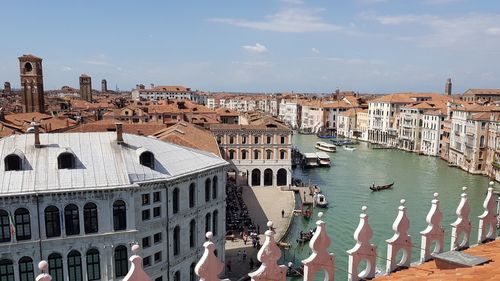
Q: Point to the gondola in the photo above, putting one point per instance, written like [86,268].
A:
[381,187]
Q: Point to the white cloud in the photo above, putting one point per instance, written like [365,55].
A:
[493,30]
[315,50]
[257,48]
[296,2]
[66,68]
[288,20]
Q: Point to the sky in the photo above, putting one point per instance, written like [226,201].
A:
[370,46]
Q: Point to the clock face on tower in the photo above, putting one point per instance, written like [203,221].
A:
[28,67]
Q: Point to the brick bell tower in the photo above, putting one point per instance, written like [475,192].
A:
[31,83]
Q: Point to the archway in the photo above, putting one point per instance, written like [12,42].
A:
[256,177]
[281,177]
[268,177]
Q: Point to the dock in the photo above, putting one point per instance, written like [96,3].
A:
[306,193]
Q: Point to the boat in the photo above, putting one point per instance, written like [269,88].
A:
[325,146]
[307,213]
[323,159]
[305,236]
[349,148]
[325,136]
[381,187]
[310,160]
[320,200]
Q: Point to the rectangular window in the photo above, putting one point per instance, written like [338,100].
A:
[282,140]
[156,212]
[146,215]
[157,257]
[157,238]
[157,196]
[256,140]
[269,138]
[244,140]
[146,242]
[145,199]
[146,261]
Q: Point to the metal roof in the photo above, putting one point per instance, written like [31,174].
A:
[100,162]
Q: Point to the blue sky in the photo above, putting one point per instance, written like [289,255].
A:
[378,46]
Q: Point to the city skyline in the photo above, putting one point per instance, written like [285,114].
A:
[376,46]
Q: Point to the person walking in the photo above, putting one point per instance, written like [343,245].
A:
[244,255]
[238,254]
[282,213]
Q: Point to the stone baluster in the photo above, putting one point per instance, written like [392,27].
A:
[462,225]
[44,268]
[488,219]
[136,272]
[320,259]
[209,266]
[362,251]
[433,233]
[269,254]
[400,241]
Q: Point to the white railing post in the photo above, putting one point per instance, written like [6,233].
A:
[400,241]
[209,266]
[136,272]
[362,251]
[462,225]
[320,259]
[488,219]
[269,254]
[433,233]
[44,268]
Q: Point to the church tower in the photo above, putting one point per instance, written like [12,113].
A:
[85,87]
[104,86]
[447,89]
[31,83]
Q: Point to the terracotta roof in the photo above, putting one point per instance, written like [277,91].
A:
[429,271]
[226,112]
[472,92]
[107,125]
[336,104]
[167,89]
[189,135]
[409,97]
[437,112]
[482,116]
[48,123]
[349,113]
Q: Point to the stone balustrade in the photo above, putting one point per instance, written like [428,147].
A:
[209,267]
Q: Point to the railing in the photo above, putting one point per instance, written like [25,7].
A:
[209,267]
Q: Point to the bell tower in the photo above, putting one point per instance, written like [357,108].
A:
[31,83]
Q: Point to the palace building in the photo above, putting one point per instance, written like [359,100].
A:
[80,200]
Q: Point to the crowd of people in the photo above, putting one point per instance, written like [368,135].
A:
[237,217]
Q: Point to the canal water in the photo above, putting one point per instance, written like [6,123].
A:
[346,186]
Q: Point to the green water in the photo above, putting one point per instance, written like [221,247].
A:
[346,183]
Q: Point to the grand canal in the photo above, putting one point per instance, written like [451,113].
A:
[346,185]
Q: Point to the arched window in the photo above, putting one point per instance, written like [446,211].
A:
[75,266]
[4,226]
[244,154]
[192,195]
[175,200]
[90,220]
[23,226]
[282,154]
[13,162]
[71,220]
[177,241]
[56,270]
[147,159]
[93,265]
[26,272]
[192,274]
[52,222]
[207,222]
[269,154]
[231,154]
[215,219]
[177,276]
[481,141]
[207,190]
[6,270]
[192,233]
[121,261]
[119,215]
[66,160]
[214,187]
[256,154]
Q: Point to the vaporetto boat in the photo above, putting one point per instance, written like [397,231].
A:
[328,147]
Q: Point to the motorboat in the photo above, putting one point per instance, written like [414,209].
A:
[349,148]
[323,159]
[320,200]
[310,160]
[328,147]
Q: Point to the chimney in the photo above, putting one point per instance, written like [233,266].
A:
[37,134]
[119,133]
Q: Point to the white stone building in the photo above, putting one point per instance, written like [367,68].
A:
[80,200]
[288,113]
[311,118]
[432,131]
[164,93]
[362,121]
[347,123]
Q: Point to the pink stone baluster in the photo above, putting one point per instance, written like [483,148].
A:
[209,266]
[488,219]
[269,255]
[44,276]
[363,250]
[461,225]
[320,259]
[136,272]
[433,233]
[401,240]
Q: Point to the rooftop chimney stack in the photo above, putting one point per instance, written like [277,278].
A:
[119,133]
[36,126]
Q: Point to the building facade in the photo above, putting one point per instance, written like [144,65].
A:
[31,83]
[163,93]
[86,87]
[81,200]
